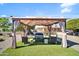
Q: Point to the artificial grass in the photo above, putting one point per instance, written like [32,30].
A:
[40,50]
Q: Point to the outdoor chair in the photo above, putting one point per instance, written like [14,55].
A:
[52,40]
[39,37]
[25,40]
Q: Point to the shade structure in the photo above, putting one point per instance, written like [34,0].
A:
[40,21]
[35,21]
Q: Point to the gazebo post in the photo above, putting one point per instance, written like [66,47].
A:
[14,35]
[49,28]
[25,30]
[64,35]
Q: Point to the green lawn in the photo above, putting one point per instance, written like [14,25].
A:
[40,50]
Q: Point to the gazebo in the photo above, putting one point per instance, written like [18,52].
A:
[38,21]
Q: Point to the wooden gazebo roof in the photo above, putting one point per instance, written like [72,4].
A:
[39,21]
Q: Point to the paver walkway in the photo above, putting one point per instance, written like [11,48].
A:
[73,42]
[8,43]
[5,44]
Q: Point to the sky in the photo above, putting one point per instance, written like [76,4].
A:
[67,10]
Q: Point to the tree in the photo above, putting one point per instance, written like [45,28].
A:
[73,24]
[4,24]
[20,27]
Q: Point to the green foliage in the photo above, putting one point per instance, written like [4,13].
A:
[73,24]
[4,24]
[20,27]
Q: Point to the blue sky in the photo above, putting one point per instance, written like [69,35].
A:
[68,10]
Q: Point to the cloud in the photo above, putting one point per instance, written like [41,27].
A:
[65,10]
[67,4]
[3,16]
[66,7]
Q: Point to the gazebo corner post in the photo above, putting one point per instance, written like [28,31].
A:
[64,40]
[13,35]
[64,36]
[56,38]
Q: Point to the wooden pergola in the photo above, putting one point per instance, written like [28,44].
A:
[37,21]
